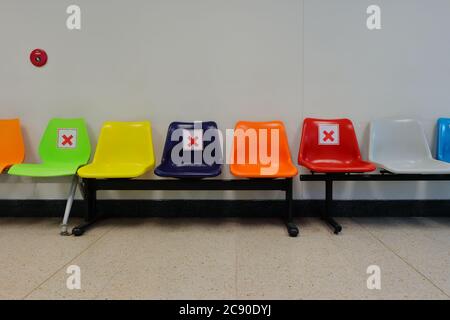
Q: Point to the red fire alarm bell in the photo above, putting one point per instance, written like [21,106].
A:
[38,57]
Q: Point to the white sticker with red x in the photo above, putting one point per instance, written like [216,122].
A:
[329,134]
[193,140]
[67,138]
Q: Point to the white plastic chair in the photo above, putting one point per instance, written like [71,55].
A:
[400,146]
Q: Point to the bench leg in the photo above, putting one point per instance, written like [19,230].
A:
[90,216]
[290,225]
[328,207]
[73,189]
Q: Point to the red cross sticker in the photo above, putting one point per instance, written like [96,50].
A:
[193,140]
[329,134]
[67,138]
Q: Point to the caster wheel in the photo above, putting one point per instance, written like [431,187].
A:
[292,230]
[77,232]
[338,230]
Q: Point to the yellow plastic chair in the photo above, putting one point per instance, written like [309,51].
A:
[124,150]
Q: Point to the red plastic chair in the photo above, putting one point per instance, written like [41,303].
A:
[330,146]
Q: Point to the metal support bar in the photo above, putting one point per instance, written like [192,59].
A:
[90,216]
[291,226]
[385,176]
[73,189]
[83,189]
[329,206]
[191,184]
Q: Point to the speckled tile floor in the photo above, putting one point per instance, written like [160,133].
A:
[226,259]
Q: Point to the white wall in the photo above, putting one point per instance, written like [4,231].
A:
[402,70]
[166,60]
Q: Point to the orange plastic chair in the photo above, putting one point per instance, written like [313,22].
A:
[257,155]
[12,150]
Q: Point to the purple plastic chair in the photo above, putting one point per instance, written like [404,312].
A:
[192,150]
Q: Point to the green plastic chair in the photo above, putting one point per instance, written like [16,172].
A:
[64,147]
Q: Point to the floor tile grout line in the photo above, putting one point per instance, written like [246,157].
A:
[114,275]
[401,258]
[426,235]
[65,264]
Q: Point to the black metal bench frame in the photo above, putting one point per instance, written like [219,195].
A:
[90,187]
[384,175]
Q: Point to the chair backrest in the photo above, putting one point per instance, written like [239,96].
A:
[125,142]
[253,143]
[192,144]
[397,140]
[328,140]
[12,150]
[65,140]
[443,140]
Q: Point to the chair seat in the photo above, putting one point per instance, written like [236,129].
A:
[112,170]
[181,169]
[443,140]
[43,169]
[284,167]
[12,149]
[426,166]
[3,166]
[285,170]
[356,166]
[331,146]
[191,171]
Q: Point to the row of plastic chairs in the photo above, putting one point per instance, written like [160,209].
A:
[125,150]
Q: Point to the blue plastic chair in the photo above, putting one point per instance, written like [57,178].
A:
[443,140]
[189,150]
